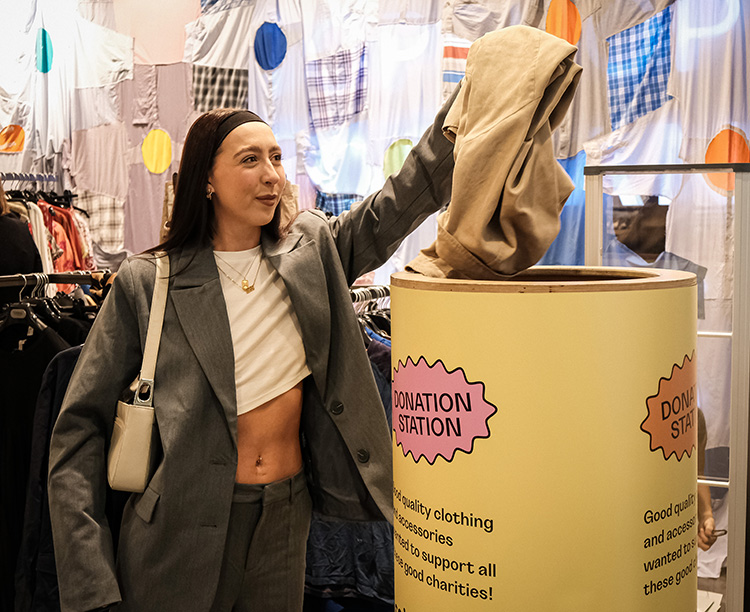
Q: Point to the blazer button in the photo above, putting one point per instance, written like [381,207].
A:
[337,408]
[363,455]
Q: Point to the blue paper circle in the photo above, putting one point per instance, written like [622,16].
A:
[43,51]
[270,46]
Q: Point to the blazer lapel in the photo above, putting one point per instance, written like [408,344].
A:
[202,313]
[300,267]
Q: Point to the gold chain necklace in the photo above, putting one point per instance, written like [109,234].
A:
[246,286]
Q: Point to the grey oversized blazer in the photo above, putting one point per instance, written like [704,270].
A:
[172,535]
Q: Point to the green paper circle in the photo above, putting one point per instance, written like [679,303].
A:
[395,155]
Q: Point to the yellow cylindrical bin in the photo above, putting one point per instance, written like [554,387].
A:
[544,441]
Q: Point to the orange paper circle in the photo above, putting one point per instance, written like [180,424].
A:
[564,21]
[12,138]
[157,151]
[728,146]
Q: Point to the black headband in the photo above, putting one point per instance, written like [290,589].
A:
[231,121]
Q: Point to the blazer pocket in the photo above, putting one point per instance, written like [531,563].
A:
[146,504]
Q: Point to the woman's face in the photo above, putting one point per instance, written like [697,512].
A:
[247,178]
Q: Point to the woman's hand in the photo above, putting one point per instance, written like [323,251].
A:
[706,536]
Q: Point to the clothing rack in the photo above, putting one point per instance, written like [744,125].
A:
[28,177]
[78,277]
[368,293]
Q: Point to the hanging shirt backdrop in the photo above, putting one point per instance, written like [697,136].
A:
[294,61]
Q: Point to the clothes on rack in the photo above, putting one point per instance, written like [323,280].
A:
[60,230]
[43,239]
[18,252]
[351,562]
[34,329]
[21,371]
[36,587]
[372,304]
[368,293]
[65,223]
[377,336]
[35,574]
[22,200]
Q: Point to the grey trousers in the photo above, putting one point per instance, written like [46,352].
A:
[263,569]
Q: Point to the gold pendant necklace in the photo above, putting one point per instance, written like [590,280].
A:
[245,285]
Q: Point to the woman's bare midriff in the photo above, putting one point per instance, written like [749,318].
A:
[268,439]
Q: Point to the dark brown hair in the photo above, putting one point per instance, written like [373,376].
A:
[193,222]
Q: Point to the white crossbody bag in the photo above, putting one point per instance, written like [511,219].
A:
[130,449]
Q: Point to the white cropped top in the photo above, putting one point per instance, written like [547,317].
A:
[269,356]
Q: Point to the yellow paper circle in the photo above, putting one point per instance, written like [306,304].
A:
[157,151]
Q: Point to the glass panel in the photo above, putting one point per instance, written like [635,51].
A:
[707,223]
[644,230]
[686,222]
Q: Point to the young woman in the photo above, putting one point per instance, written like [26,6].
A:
[264,398]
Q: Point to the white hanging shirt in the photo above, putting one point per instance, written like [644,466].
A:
[269,356]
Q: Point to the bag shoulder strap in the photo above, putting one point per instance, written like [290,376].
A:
[144,391]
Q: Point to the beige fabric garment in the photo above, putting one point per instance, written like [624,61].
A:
[508,188]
